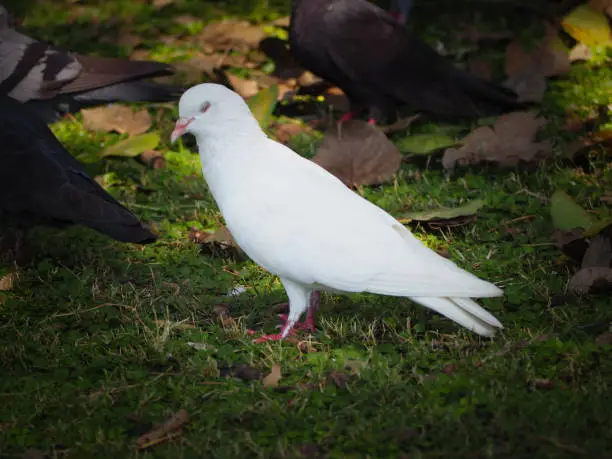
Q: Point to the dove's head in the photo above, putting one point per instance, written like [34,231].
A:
[212,110]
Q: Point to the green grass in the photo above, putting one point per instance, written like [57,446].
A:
[93,338]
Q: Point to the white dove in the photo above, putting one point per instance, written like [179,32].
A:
[268,195]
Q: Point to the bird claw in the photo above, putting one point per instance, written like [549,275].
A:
[265,338]
[307,325]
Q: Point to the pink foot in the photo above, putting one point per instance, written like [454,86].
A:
[275,336]
[349,116]
[308,324]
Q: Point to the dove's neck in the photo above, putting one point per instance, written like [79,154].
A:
[228,158]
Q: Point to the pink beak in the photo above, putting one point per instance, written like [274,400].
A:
[180,128]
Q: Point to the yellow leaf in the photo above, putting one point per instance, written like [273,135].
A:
[588,26]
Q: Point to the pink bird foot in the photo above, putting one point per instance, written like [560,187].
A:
[349,116]
[308,324]
[275,336]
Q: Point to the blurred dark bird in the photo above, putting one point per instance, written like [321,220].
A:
[58,82]
[381,66]
[42,184]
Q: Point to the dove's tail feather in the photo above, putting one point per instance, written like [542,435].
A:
[465,312]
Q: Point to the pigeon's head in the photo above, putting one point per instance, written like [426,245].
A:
[213,110]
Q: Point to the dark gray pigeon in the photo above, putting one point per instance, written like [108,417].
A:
[381,66]
[41,183]
[57,82]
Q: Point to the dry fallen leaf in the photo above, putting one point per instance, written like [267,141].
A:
[527,70]
[152,159]
[117,118]
[284,132]
[339,379]
[246,88]
[244,372]
[509,141]
[274,377]
[358,154]
[7,282]
[220,243]
[605,339]
[595,274]
[541,383]
[167,431]
[223,314]
[231,34]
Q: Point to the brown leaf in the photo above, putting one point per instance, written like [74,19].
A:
[540,383]
[246,88]
[588,280]
[274,377]
[527,70]
[449,369]
[117,118]
[231,34]
[599,253]
[244,372]
[152,159]
[223,314]
[159,4]
[284,132]
[220,243]
[338,378]
[7,282]
[605,339]
[167,431]
[572,243]
[358,154]
[509,141]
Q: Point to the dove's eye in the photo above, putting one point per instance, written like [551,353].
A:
[205,106]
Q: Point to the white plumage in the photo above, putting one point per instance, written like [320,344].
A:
[298,221]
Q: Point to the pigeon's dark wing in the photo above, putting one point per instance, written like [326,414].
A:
[377,54]
[40,182]
[58,81]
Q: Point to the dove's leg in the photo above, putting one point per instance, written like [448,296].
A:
[309,323]
[298,303]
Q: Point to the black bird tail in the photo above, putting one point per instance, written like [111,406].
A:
[130,91]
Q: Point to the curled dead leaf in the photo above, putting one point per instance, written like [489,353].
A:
[116,118]
[509,141]
[219,243]
[527,70]
[358,154]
